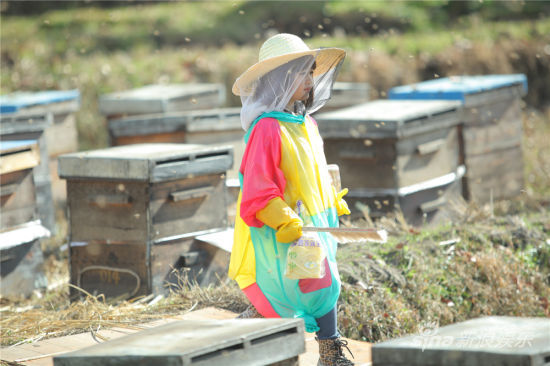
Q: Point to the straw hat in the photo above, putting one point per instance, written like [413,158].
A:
[280,49]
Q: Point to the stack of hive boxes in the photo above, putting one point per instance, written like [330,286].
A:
[176,113]
[20,229]
[490,132]
[457,137]
[397,154]
[48,117]
[136,212]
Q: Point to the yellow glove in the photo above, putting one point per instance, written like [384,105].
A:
[278,216]
[341,205]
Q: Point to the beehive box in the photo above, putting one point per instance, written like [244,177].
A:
[17,190]
[133,206]
[491,131]
[494,340]
[22,269]
[347,94]
[121,270]
[212,126]
[159,98]
[60,134]
[422,203]
[237,342]
[382,147]
[15,127]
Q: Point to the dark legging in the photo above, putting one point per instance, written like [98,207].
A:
[327,325]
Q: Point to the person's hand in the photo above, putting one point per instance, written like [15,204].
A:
[280,217]
[340,204]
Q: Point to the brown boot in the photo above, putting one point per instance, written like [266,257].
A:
[331,353]
[250,313]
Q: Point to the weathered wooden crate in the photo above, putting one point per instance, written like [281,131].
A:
[392,144]
[142,205]
[422,203]
[60,134]
[483,341]
[491,131]
[126,270]
[22,269]
[384,148]
[146,192]
[347,94]
[233,342]
[161,99]
[212,126]
[17,190]
[16,127]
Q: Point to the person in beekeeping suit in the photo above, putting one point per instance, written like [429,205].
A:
[285,185]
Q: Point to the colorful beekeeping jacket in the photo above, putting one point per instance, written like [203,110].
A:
[284,158]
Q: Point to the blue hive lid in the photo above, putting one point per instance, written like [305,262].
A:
[12,103]
[9,145]
[456,87]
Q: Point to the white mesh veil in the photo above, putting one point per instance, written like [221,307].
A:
[273,90]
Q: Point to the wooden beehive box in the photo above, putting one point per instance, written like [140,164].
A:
[212,126]
[16,127]
[159,98]
[229,342]
[492,340]
[17,189]
[491,131]
[136,205]
[346,94]
[384,148]
[60,134]
[22,269]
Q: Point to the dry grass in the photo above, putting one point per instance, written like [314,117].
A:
[478,264]
[53,315]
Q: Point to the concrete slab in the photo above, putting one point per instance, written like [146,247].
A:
[483,341]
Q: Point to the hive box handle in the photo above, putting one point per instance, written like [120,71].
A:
[360,155]
[191,194]
[433,205]
[430,147]
[109,199]
[189,259]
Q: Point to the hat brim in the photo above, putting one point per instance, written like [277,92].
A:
[326,59]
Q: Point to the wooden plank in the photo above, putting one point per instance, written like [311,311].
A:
[21,160]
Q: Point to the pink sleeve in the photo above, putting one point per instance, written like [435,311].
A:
[263,179]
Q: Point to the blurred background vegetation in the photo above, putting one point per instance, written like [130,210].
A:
[104,46]
[500,262]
